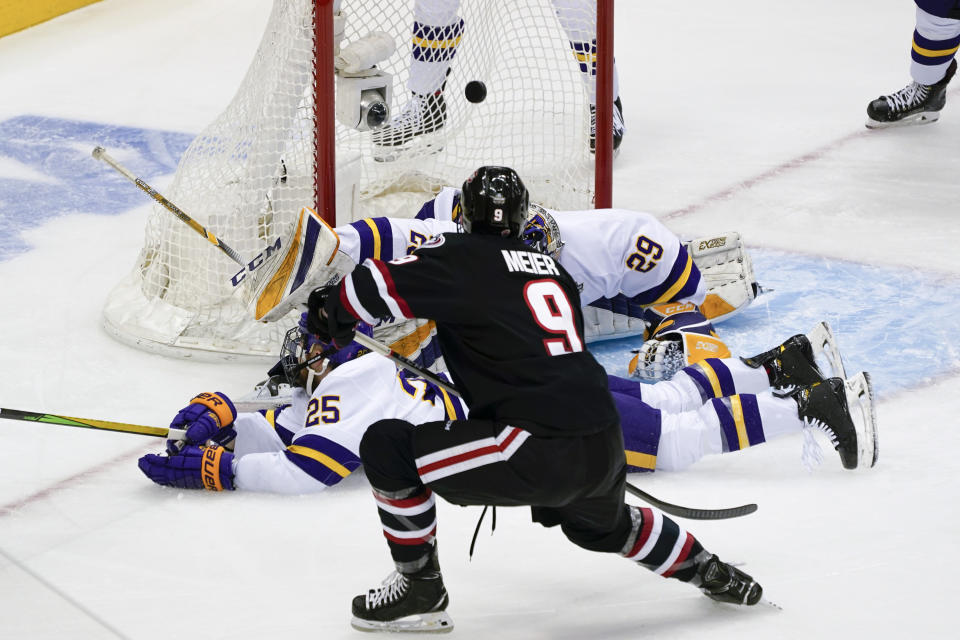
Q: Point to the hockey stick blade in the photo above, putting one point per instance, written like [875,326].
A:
[105,425]
[691,513]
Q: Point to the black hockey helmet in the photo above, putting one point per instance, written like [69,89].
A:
[494,200]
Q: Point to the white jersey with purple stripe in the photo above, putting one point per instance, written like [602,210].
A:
[314,442]
[390,238]
[610,253]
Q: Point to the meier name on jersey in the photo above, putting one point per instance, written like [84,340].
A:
[535,263]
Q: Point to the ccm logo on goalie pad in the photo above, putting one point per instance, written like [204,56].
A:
[673,309]
[258,261]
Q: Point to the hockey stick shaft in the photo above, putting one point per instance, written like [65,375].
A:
[101,154]
[673,509]
[378,347]
[87,423]
[689,512]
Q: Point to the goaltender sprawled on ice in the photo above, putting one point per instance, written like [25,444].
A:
[307,437]
[635,276]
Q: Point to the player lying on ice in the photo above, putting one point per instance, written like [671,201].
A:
[494,337]
[312,441]
[635,276]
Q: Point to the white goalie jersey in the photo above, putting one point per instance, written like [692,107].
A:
[623,261]
[608,252]
[314,442]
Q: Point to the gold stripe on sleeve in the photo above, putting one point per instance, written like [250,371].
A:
[322,458]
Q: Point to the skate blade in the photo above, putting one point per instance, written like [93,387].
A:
[918,118]
[825,349]
[859,393]
[439,622]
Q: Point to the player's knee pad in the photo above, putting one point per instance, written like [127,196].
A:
[596,539]
[678,336]
[386,451]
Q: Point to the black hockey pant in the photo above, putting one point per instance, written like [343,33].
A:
[576,482]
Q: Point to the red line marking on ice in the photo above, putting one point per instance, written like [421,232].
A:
[749,183]
[12,507]
[775,172]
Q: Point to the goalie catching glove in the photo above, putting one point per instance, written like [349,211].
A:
[208,468]
[206,417]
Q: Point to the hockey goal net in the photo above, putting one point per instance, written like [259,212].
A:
[246,176]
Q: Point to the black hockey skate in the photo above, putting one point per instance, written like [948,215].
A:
[424,114]
[823,406]
[914,104]
[724,583]
[618,126]
[790,365]
[415,602]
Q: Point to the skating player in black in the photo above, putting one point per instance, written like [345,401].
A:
[511,331]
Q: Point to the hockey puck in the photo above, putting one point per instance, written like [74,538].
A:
[475,91]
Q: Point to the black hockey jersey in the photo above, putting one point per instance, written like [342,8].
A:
[509,325]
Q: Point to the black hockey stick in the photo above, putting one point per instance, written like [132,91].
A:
[689,512]
[384,350]
[673,509]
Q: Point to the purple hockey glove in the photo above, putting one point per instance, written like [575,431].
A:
[203,419]
[193,468]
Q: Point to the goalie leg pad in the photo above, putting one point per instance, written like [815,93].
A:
[610,318]
[679,336]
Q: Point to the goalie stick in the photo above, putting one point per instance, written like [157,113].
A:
[101,154]
[87,423]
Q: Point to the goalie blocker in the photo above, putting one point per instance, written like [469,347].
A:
[309,259]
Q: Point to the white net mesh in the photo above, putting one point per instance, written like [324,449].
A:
[248,174]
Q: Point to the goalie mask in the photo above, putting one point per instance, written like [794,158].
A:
[493,201]
[299,346]
[541,232]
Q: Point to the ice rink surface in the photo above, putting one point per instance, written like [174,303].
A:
[743,115]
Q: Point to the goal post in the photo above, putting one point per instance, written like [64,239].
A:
[279,146]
